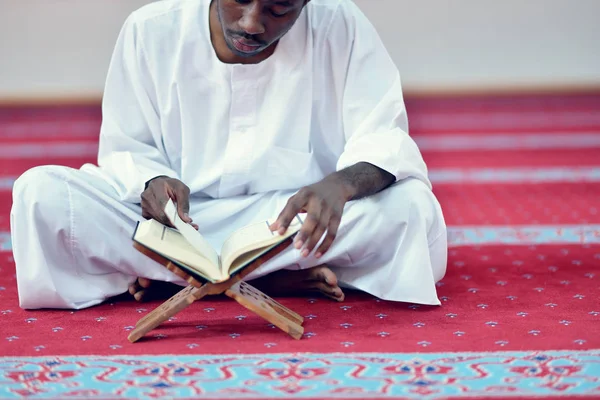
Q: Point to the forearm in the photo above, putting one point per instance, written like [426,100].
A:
[361,180]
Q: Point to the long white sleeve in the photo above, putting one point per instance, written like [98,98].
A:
[374,114]
[131,150]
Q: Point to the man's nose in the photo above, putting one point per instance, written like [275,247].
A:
[251,21]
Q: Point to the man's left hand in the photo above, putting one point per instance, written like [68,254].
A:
[323,202]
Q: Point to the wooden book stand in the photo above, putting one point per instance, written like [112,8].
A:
[242,292]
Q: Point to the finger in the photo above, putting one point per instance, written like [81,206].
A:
[181,194]
[146,214]
[316,235]
[196,227]
[158,201]
[163,219]
[332,229]
[311,222]
[294,204]
[162,196]
[146,204]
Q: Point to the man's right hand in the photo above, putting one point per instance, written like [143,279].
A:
[158,192]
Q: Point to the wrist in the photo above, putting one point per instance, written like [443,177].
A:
[361,180]
[346,186]
[150,180]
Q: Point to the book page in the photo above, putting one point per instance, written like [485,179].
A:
[253,237]
[171,244]
[245,259]
[192,235]
[175,240]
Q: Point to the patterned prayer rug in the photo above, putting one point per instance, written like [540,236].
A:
[519,182]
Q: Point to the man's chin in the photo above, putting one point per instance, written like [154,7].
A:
[246,55]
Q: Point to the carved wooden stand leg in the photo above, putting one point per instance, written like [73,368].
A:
[166,310]
[264,306]
[242,292]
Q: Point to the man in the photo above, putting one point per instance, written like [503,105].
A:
[240,110]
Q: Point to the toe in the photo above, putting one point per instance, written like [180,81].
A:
[139,296]
[133,288]
[333,292]
[144,282]
[324,274]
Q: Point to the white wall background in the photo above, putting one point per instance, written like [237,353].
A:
[61,48]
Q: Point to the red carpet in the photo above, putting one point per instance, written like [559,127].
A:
[494,298]
[519,181]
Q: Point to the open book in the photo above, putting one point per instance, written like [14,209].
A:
[186,247]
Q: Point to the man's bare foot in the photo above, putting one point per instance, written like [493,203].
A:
[300,282]
[145,289]
[281,283]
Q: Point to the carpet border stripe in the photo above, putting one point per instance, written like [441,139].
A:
[522,374]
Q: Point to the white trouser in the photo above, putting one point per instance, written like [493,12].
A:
[72,244]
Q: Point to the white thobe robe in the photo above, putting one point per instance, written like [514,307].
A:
[243,138]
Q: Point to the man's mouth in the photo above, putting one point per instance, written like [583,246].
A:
[245,46]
